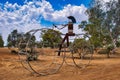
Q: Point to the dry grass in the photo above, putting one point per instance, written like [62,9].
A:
[101,68]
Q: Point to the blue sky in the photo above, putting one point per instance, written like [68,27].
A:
[25,15]
[56,5]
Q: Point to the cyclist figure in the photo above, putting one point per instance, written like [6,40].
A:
[70,32]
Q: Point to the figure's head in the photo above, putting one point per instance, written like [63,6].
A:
[70,21]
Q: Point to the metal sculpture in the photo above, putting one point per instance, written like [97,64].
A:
[39,61]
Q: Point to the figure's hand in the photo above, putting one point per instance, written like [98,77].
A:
[64,24]
[54,25]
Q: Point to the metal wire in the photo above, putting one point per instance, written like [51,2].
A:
[56,62]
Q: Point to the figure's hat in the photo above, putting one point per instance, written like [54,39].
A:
[72,18]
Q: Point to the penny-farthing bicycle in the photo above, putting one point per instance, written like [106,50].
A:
[46,58]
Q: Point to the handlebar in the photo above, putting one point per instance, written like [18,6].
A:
[64,25]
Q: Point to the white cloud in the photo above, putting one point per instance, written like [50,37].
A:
[28,16]
[109,0]
[61,15]
[106,0]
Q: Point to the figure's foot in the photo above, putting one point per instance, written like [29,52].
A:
[58,54]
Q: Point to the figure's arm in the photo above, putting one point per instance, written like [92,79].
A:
[64,25]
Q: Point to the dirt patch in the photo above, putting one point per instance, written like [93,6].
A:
[101,68]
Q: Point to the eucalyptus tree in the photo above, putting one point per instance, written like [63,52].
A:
[104,22]
[15,37]
[112,20]
[12,38]
[93,26]
[51,38]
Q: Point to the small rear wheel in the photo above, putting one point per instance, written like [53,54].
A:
[82,51]
[82,57]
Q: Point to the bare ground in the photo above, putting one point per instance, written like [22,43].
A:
[101,68]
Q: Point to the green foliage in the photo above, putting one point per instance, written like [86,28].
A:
[103,23]
[118,43]
[1,41]
[81,42]
[51,38]
[27,38]
[14,39]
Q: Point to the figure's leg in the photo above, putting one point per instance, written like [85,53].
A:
[67,40]
[60,47]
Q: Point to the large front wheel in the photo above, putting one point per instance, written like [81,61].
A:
[40,57]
